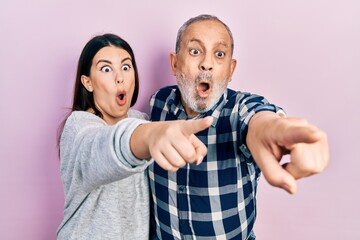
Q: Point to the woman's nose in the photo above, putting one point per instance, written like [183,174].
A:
[119,79]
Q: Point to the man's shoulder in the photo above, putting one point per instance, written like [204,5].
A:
[240,95]
[164,92]
[235,95]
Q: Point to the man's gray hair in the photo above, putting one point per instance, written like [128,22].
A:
[200,18]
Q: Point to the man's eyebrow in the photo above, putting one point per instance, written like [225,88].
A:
[194,40]
[222,43]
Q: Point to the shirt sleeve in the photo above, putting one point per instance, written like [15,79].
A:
[249,105]
[93,153]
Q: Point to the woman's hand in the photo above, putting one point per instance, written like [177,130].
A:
[172,144]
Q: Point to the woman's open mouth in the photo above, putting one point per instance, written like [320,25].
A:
[121,98]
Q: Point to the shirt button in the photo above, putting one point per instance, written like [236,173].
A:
[181,189]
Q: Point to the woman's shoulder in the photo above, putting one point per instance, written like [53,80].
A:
[84,116]
[79,119]
[133,113]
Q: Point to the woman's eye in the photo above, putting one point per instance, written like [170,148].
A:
[194,52]
[105,69]
[126,67]
[220,54]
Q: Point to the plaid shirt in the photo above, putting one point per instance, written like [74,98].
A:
[216,199]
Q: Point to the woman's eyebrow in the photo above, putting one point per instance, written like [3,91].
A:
[103,60]
[127,58]
[109,62]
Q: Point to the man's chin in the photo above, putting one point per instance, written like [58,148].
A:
[201,108]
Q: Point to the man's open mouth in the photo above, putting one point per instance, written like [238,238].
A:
[204,86]
[203,89]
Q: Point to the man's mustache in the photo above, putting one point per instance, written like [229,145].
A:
[204,77]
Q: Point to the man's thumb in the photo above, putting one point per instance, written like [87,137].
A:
[197,125]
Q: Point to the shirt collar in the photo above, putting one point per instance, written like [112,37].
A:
[175,107]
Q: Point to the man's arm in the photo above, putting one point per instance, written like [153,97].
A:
[270,137]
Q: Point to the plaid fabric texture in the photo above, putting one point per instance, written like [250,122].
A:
[216,199]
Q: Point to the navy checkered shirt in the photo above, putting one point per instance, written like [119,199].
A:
[216,199]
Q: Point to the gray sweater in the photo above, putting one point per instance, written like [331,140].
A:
[105,185]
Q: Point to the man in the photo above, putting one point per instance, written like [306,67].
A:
[217,198]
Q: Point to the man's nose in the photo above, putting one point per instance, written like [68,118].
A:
[207,63]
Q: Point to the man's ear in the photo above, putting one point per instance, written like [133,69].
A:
[232,68]
[85,80]
[173,62]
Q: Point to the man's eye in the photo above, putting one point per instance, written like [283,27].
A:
[125,67]
[220,54]
[105,69]
[194,52]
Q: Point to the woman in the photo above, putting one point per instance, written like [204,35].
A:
[103,143]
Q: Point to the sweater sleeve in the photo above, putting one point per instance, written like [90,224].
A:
[93,153]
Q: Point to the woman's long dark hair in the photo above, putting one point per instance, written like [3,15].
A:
[83,99]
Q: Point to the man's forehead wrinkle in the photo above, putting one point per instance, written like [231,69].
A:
[196,40]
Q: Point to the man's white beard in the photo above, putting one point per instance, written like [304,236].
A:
[189,93]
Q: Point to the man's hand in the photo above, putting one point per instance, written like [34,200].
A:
[271,136]
[172,144]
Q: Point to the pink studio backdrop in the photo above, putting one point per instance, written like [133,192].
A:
[302,55]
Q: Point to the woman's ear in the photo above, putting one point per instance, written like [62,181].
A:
[85,80]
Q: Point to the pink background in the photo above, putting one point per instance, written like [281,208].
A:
[302,55]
